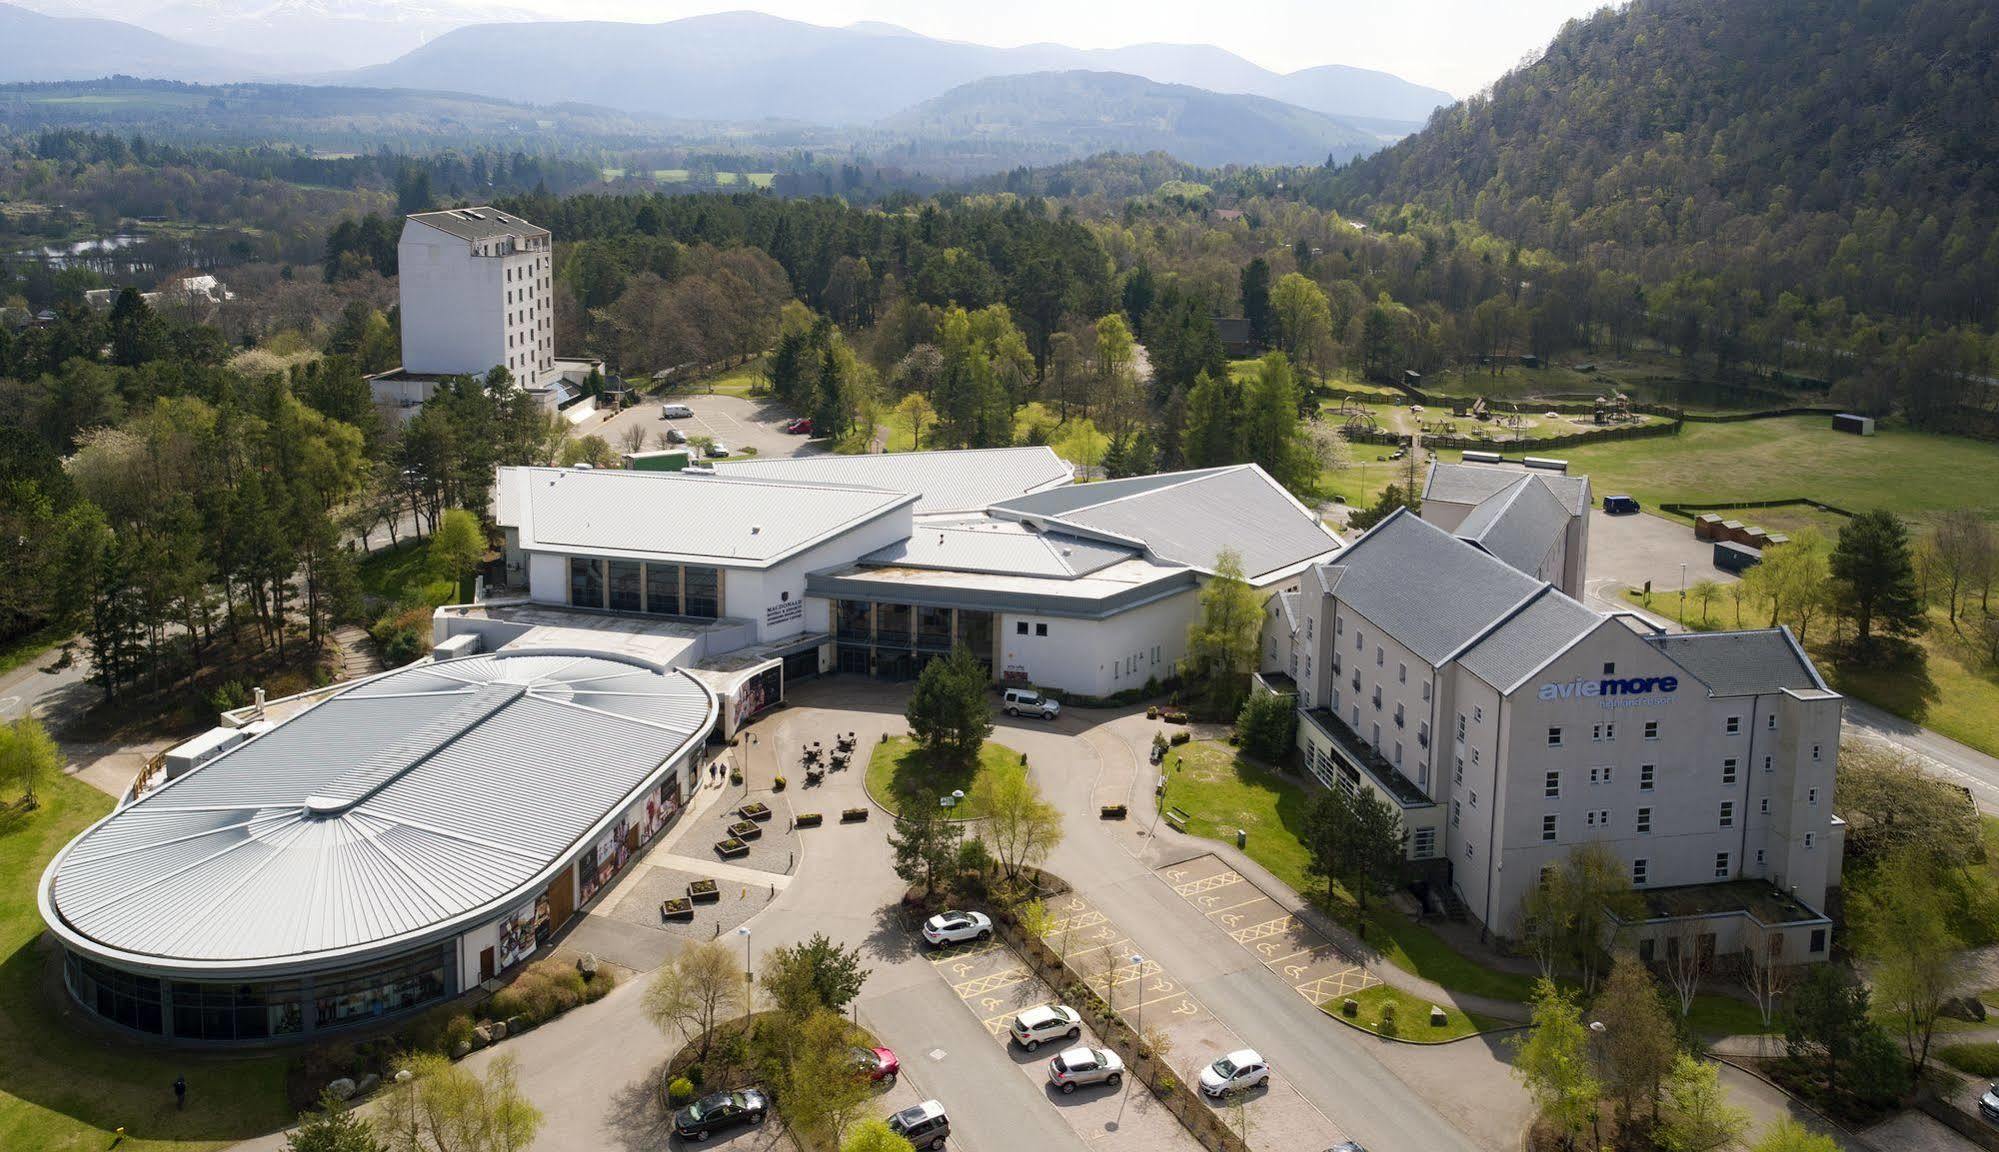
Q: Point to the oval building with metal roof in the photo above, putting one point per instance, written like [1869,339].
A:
[379,852]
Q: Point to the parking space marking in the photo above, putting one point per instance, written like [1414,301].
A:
[1286,946]
[943,956]
[992,983]
[1088,919]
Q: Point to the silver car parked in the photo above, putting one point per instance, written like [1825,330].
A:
[1083,1066]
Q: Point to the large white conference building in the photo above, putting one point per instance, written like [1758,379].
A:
[382,845]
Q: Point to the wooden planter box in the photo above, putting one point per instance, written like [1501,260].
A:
[731,848]
[679,909]
[1112,812]
[704,891]
[808,820]
[746,830]
[850,815]
[755,810]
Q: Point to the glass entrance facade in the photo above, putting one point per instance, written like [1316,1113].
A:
[891,641]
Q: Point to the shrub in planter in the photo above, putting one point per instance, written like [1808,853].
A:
[680,1091]
[746,830]
[1152,711]
[754,810]
[704,890]
[735,776]
[731,847]
[1180,738]
[807,820]
[1350,1008]
[777,785]
[1388,1019]
[850,815]
[1112,812]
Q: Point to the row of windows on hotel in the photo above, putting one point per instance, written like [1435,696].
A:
[647,587]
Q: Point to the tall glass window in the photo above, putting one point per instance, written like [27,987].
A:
[704,593]
[626,580]
[892,624]
[933,627]
[120,997]
[663,589]
[586,582]
[394,986]
[854,622]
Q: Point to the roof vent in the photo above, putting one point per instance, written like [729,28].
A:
[756,528]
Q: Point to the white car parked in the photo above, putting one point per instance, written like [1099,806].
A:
[1234,1072]
[1046,1022]
[957,927]
[1081,1066]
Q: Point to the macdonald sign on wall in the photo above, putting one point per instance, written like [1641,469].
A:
[1656,686]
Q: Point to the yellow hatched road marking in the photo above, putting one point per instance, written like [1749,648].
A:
[1207,884]
[1264,930]
[1230,907]
[992,983]
[1088,919]
[941,958]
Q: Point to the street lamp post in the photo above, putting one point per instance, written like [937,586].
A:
[1138,1010]
[749,994]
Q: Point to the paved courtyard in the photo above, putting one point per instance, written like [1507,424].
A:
[1626,551]
[738,421]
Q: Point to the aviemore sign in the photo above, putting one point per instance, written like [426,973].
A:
[1610,686]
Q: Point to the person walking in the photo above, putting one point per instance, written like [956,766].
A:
[180,1092]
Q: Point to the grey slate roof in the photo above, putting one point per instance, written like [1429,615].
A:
[686,516]
[999,546]
[1741,663]
[1543,630]
[948,481]
[1431,591]
[1475,483]
[1190,517]
[403,809]
[478,223]
[1520,524]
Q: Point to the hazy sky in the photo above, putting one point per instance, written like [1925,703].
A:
[1456,45]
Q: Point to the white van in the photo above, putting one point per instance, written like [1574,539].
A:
[1028,702]
[675,412]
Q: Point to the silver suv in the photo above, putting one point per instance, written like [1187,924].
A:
[924,1125]
[1082,1066]
[1029,702]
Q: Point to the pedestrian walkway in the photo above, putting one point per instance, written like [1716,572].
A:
[354,653]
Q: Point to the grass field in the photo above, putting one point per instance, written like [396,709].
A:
[901,778]
[1798,456]
[63,1086]
[740,380]
[1411,1021]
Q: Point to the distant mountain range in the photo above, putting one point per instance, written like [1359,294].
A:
[749,66]
[757,76]
[1048,117]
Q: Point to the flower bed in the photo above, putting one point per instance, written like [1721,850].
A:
[850,815]
[704,890]
[746,830]
[754,810]
[1112,811]
[730,848]
[807,820]
[679,908]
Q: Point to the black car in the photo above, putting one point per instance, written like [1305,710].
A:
[719,1113]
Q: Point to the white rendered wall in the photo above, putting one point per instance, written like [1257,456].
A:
[466,314]
[1078,655]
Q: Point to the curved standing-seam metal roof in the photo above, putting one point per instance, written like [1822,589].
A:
[401,810]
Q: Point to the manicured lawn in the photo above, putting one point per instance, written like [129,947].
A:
[740,380]
[1412,1016]
[1957,694]
[902,779]
[64,1086]
[1798,456]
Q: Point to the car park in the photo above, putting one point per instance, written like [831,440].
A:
[1082,1066]
[1045,1022]
[1988,1103]
[1234,1072]
[719,1113]
[880,1064]
[1030,702]
[675,412]
[924,1125]
[957,927]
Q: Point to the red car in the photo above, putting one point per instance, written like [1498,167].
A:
[879,1063]
[801,426]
